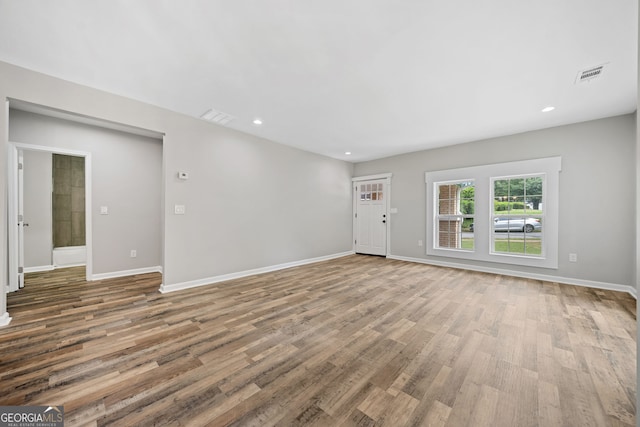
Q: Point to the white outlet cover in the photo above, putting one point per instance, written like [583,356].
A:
[180,209]
[104,210]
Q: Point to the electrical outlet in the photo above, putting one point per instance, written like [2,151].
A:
[573,257]
[134,253]
[419,242]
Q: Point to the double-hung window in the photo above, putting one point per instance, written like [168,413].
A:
[455,215]
[517,215]
[503,213]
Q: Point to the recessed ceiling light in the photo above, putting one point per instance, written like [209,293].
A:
[547,109]
[257,122]
[348,153]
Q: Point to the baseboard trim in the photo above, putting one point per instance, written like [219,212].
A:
[39,268]
[548,278]
[5,319]
[124,273]
[69,256]
[79,264]
[224,277]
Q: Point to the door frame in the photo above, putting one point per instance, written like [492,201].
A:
[387,206]
[14,249]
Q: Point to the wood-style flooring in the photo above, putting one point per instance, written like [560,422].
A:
[357,341]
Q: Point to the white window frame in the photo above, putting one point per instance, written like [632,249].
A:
[459,216]
[540,216]
[482,176]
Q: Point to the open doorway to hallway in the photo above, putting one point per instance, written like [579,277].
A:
[54,210]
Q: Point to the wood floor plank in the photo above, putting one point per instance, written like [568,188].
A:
[356,341]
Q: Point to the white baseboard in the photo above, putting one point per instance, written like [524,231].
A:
[79,264]
[39,268]
[5,319]
[123,273]
[69,256]
[547,278]
[224,277]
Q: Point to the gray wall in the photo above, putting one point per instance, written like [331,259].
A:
[637,229]
[597,210]
[126,177]
[250,203]
[37,209]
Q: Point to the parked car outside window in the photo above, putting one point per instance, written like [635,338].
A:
[526,225]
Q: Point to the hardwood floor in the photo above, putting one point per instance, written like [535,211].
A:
[359,340]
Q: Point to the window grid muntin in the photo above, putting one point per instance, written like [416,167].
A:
[369,192]
[449,224]
[511,199]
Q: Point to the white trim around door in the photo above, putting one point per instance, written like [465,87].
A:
[386,178]
[12,170]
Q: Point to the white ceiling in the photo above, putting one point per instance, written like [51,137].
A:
[373,77]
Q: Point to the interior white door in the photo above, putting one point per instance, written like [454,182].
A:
[20,219]
[371,217]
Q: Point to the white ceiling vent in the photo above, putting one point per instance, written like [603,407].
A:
[217,117]
[589,73]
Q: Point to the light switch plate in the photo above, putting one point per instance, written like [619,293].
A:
[104,210]
[179,209]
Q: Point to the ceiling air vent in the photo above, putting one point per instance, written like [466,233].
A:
[589,73]
[217,117]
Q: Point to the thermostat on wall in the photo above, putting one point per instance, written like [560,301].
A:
[183,175]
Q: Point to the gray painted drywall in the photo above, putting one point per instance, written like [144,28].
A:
[250,202]
[126,177]
[637,231]
[37,209]
[597,210]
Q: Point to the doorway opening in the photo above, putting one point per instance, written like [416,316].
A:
[73,201]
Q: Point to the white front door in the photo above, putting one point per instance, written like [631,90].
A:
[371,217]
